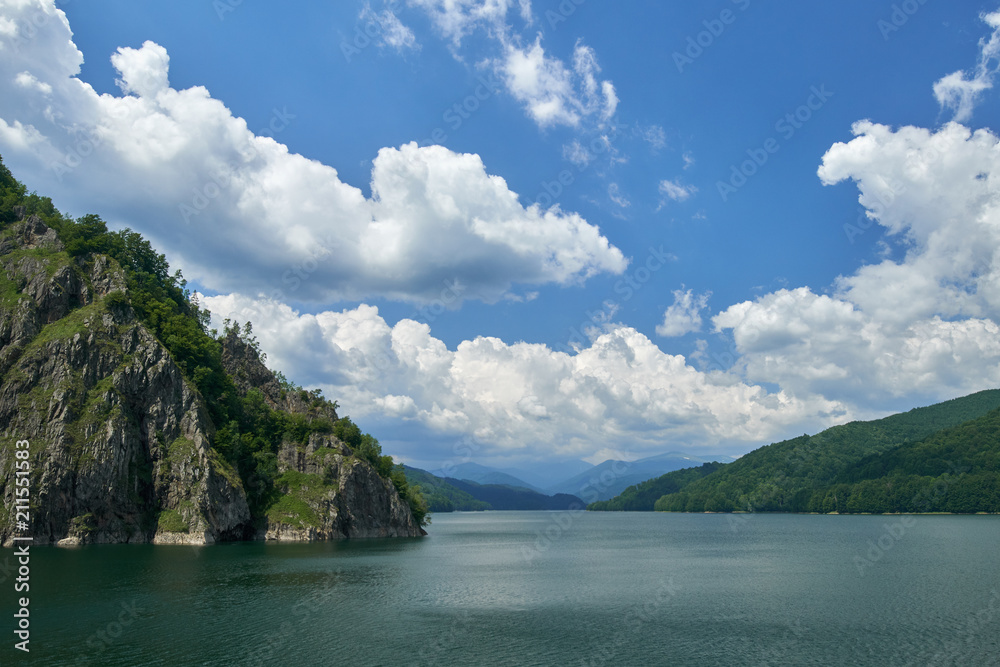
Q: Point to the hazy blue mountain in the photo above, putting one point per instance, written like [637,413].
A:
[608,479]
[545,475]
[442,496]
[474,472]
[516,498]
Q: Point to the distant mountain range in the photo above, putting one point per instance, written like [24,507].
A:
[473,472]
[941,458]
[608,479]
[591,482]
[448,494]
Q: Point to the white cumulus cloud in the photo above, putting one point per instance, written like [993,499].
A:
[391,31]
[925,325]
[237,210]
[518,398]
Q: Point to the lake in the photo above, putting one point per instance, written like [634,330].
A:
[537,588]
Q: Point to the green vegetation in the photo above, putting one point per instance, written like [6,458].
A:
[83,524]
[293,511]
[939,458]
[642,497]
[171,521]
[299,493]
[442,496]
[249,432]
[67,327]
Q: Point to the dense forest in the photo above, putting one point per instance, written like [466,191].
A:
[941,458]
[642,497]
[442,496]
[249,432]
[447,494]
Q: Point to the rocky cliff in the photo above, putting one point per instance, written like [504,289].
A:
[121,442]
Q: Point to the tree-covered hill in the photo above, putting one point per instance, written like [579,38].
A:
[884,465]
[442,496]
[642,497]
[954,470]
[501,497]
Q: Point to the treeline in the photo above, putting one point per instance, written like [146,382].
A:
[642,497]
[442,496]
[249,432]
[942,458]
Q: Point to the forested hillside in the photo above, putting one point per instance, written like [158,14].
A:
[885,465]
[442,496]
[642,497]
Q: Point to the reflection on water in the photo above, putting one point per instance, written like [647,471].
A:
[506,588]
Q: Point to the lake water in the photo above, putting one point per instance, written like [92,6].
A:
[537,588]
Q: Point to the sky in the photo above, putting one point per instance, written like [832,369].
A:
[522,231]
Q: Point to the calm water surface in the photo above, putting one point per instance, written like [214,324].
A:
[538,588]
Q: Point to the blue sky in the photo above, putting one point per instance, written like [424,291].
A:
[638,306]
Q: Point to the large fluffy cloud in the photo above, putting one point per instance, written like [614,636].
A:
[239,211]
[921,325]
[924,324]
[619,393]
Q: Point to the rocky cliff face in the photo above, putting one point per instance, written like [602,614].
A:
[329,494]
[121,443]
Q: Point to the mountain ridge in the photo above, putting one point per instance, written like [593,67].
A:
[848,468]
[143,426]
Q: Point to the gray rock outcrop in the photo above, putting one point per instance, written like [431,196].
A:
[121,443]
